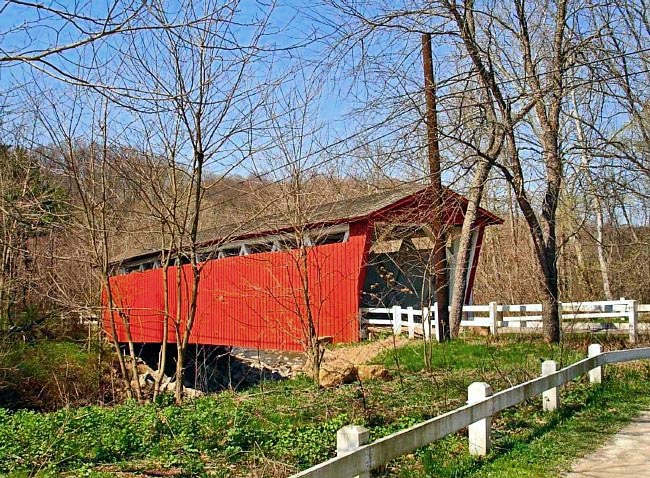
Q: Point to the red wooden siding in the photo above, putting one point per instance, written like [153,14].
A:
[255,300]
[139,298]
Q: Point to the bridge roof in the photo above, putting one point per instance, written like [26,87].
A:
[330,213]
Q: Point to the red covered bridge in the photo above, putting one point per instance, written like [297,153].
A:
[255,286]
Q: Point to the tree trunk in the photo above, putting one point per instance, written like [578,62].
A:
[113,338]
[602,255]
[180,358]
[437,225]
[465,246]
[551,324]
[187,330]
[592,191]
[162,356]
[314,348]
[180,372]
[197,179]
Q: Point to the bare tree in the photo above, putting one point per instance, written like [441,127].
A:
[594,193]
[32,206]
[440,270]
[523,59]
[202,78]
[296,144]
[546,88]
[85,163]
[159,187]
[74,42]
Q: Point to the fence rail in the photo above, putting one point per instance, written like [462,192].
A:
[356,457]
[575,316]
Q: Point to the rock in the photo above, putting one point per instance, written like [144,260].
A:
[373,372]
[333,377]
[192,393]
[325,340]
[188,392]
[146,375]
[144,369]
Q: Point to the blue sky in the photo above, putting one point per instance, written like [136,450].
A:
[292,24]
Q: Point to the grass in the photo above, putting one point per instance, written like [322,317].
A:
[282,427]
[531,444]
[526,441]
[483,355]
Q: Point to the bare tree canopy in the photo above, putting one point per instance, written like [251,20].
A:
[517,66]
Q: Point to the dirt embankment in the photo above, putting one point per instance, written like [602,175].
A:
[360,354]
[340,364]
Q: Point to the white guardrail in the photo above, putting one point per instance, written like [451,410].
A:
[576,316]
[356,457]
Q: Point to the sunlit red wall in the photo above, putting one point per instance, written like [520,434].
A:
[252,301]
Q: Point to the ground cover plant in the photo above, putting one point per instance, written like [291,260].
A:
[278,428]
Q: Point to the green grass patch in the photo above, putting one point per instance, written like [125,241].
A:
[282,427]
[531,444]
[487,354]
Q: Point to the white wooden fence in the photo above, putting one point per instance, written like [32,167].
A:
[356,457]
[576,316]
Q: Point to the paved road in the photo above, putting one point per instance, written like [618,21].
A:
[626,454]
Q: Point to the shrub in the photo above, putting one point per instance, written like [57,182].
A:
[47,375]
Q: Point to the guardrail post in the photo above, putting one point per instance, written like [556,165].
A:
[634,319]
[397,319]
[551,397]
[479,432]
[349,438]
[595,374]
[494,318]
[411,322]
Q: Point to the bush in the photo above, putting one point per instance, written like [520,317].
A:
[48,375]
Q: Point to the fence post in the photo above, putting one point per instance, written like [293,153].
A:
[479,432]
[595,374]
[436,321]
[411,322]
[494,318]
[397,319]
[524,323]
[634,319]
[550,398]
[348,439]
[426,322]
